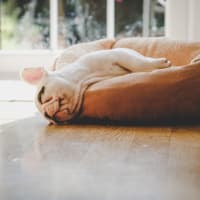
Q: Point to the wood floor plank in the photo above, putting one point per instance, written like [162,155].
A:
[184,162]
[91,161]
[110,147]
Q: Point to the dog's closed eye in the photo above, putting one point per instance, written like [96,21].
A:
[41,92]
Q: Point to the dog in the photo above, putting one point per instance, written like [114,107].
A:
[60,93]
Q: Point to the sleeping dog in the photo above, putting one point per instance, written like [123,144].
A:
[60,93]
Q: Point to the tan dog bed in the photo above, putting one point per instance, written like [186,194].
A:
[171,94]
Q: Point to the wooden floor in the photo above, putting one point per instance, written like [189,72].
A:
[96,162]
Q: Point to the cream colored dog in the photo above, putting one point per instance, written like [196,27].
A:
[60,93]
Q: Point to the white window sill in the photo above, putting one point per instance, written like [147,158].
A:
[13,61]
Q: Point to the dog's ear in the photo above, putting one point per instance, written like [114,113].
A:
[33,75]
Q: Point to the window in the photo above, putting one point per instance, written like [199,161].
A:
[24,24]
[42,27]
[80,21]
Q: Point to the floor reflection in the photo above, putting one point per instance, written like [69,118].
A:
[38,161]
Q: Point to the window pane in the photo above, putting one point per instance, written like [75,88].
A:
[157,22]
[129,18]
[24,24]
[81,20]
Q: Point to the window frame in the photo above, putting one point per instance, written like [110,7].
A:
[14,60]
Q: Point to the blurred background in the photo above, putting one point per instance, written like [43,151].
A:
[25,24]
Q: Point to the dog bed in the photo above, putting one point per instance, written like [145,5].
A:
[171,94]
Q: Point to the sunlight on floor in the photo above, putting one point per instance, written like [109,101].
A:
[11,111]
[16,101]
[14,90]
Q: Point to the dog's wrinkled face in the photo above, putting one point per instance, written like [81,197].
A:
[54,96]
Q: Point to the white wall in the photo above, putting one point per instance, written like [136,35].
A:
[183,19]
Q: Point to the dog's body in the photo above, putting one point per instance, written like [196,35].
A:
[60,93]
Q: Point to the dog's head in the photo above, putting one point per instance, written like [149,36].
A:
[55,95]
